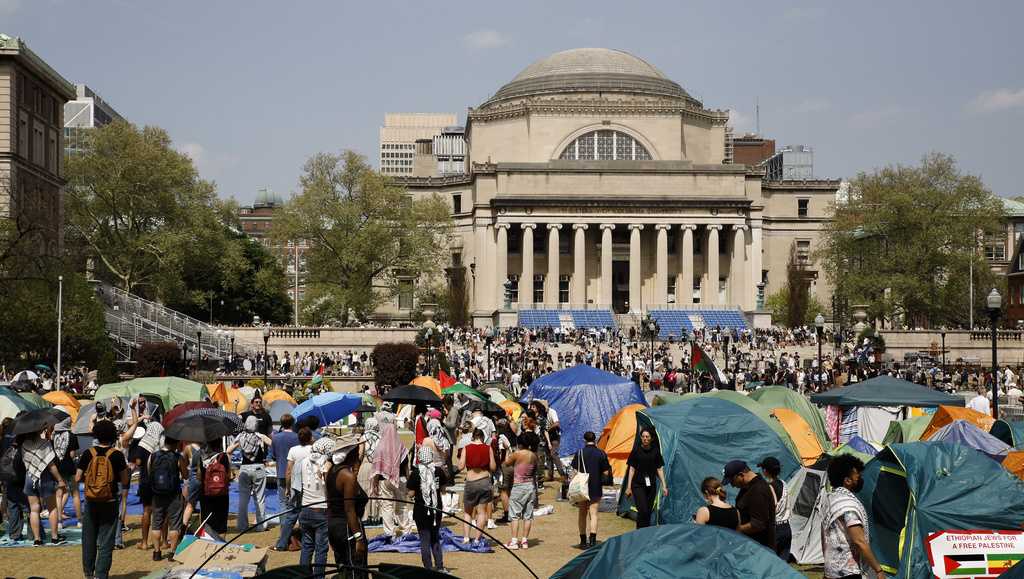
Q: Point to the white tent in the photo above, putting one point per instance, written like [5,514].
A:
[807,491]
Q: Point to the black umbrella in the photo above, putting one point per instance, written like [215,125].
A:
[486,406]
[411,395]
[23,385]
[364,407]
[36,421]
[199,428]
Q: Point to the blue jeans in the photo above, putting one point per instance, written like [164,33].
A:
[288,519]
[17,511]
[313,523]
[252,483]
[100,525]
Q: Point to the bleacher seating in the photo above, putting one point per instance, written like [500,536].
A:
[566,319]
[593,318]
[535,319]
[679,323]
[672,323]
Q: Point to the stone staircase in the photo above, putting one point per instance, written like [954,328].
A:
[627,322]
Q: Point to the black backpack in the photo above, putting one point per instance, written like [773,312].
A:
[9,464]
[164,475]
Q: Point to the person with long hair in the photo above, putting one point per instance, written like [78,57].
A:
[313,517]
[477,459]
[646,469]
[64,446]
[214,502]
[716,512]
[346,504]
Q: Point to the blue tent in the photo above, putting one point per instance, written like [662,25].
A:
[683,550]
[585,398]
[967,434]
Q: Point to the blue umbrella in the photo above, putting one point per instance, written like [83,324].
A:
[329,407]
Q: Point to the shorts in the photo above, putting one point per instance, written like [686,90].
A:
[167,508]
[520,502]
[478,492]
[145,493]
[195,492]
[508,473]
[42,487]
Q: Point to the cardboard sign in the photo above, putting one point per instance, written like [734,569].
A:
[974,554]
[244,559]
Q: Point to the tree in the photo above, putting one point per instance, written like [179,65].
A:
[905,239]
[139,208]
[364,233]
[778,304]
[394,364]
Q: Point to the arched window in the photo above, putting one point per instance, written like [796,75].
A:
[605,145]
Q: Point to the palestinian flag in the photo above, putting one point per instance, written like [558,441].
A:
[205,532]
[445,379]
[318,378]
[1001,562]
[966,565]
[701,362]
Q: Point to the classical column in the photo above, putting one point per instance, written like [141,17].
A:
[501,262]
[755,263]
[526,278]
[551,292]
[685,287]
[579,265]
[711,292]
[480,285]
[737,279]
[661,266]
[606,263]
[635,269]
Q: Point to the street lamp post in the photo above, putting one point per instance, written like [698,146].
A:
[489,336]
[942,334]
[652,331]
[819,323]
[60,323]
[266,360]
[199,348]
[995,304]
[232,351]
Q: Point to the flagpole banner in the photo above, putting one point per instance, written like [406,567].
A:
[974,554]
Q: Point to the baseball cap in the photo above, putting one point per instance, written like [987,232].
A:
[770,463]
[733,468]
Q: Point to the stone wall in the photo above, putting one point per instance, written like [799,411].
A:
[976,345]
[322,339]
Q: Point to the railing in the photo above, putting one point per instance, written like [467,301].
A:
[1001,335]
[295,333]
[560,307]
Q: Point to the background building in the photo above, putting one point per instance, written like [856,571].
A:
[441,156]
[32,97]
[793,162]
[398,138]
[752,149]
[257,220]
[87,111]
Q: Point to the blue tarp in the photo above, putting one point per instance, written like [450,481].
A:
[585,398]
[860,445]
[410,543]
[967,434]
[683,550]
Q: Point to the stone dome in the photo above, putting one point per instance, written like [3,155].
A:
[590,70]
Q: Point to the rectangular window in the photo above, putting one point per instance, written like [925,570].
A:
[803,251]
[405,287]
[23,134]
[801,207]
[563,289]
[514,288]
[995,251]
[38,144]
[456,259]
[52,159]
[1018,229]
[538,288]
[456,203]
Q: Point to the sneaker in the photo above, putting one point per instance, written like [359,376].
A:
[37,543]
[525,544]
[465,540]
[503,520]
[512,545]
[491,524]
[157,556]
[58,540]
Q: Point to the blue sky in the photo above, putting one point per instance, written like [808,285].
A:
[251,89]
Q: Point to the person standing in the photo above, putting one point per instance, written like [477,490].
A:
[716,512]
[522,464]
[755,502]
[215,473]
[385,473]
[252,475]
[981,403]
[845,535]
[283,441]
[167,468]
[477,459]
[425,481]
[313,517]
[293,487]
[346,503]
[104,470]
[64,446]
[193,455]
[594,461]
[646,469]
[770,470]
[266,423]
[42,481]
[14,484]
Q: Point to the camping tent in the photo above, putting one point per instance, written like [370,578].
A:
[781,396]
[948,414]
[230,399]
[1014,462]
[697,436]
[807,446]
[34,400]
[908,430]
[886,391]
[617,438]
[858,447]
[271,396]
[966,433]
[11,403]
[585,398]
[171,390]
[1011,432]
[755,408]
[683,550]
[806,495]
[912,490]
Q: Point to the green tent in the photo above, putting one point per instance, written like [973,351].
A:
[909,430]
[697,436]
[663,398]
[783,397]
[755,408]
[886,391]
[460,388]
[11,403]
[683,550]
[1009,431]
[171,389]
[34,400]
[913,490]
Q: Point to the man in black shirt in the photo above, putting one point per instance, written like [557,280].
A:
[756,503]
[100,517]
[266,423]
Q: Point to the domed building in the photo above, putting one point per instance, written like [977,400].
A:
[596,182]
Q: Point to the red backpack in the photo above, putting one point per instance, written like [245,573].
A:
[215,478]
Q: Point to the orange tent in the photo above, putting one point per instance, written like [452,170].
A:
[513,409]
[429,383]
[947,414]
[230,399]
[275,395]
[803,436]
[1014,462]
[618,436]
[65,401]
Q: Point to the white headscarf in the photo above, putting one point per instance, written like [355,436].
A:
[314,465]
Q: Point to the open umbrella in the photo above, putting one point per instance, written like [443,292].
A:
[460,388]
[35,421]
[25,375]
[198,428]
[364,408]
[182,408]
[329,407]
[486,406]
[412,395]
[279,408]
[428,382]
[43,368]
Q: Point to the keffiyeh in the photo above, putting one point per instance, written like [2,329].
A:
[37,453]
[151,440]
[313,467]
[439,434]
[249,441]
[428,482]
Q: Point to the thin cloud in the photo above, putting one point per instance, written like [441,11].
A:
[485,38]
[992,101]
[873,119]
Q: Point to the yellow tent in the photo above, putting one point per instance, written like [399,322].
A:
[429,383]
[947,414]
[65,401]
[618,436]
[275,395]
[1014,462]
[513,409]
[230,399]
[803,436]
